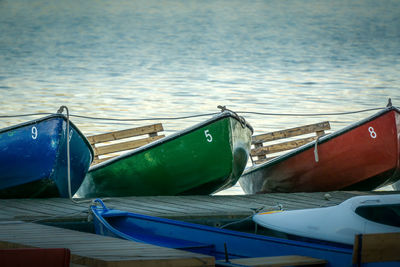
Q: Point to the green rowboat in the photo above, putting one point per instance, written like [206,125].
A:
[201,160]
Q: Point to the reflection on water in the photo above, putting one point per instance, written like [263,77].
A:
[152,59]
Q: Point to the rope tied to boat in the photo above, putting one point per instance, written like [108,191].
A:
[239,118]
[60,111]
[316,149]
[210,114]
[254,211]
[389,104]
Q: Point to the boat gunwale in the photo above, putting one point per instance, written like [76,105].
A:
[100,213]
[56,115]
[321,140]
[219,116]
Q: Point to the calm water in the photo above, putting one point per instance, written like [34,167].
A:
[151,59]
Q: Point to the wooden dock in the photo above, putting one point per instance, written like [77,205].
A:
[19,223]
[95,250]
[175,207]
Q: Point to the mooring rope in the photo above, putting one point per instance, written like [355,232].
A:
[203,115]
[254,211]
[239,118]
[26,115]
[309,114]
[60,111]
[146,119]
[316,157]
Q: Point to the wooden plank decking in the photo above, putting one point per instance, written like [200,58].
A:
[93,250]
[177,207]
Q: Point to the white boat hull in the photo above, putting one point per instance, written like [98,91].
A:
[338,223]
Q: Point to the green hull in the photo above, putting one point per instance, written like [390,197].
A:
[203,159]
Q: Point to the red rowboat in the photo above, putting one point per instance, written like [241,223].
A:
[362,156]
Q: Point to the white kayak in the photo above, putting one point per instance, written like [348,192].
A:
[357,215]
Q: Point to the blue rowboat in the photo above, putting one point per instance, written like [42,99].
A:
[207,240]
[34,158]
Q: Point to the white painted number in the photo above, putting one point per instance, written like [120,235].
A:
[372,132]
[34,132]
[208,136]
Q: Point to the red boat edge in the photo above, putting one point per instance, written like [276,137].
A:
[363,156]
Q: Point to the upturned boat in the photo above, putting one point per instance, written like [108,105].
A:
[216,242]
[362,156]
[203,159]
[339,224]
[34,158]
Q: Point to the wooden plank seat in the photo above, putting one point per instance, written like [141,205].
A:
[288,260]
[112,144]
[370,248]
[379,248]
[265,144]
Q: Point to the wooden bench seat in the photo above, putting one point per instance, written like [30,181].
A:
[112,144]
[289,260]
[370,248]
[265,144]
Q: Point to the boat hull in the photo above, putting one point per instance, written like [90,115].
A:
[363,156]
[340,223]
[204,159]
[33,158]
[208,240]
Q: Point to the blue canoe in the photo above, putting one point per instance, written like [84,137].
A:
[207,240]
[33,158]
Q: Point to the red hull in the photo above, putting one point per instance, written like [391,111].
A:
[363,156]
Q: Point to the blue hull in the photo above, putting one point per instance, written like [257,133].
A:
[33,158]
[208,240]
